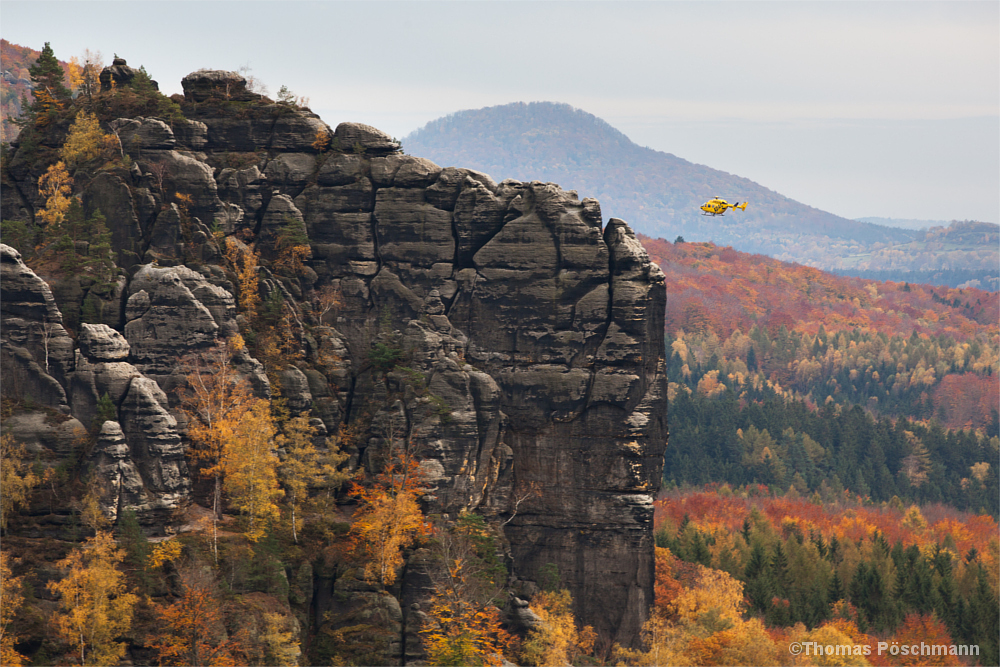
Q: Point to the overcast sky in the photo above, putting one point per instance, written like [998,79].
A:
[885,109]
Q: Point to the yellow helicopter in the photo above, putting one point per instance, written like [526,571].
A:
[718,206]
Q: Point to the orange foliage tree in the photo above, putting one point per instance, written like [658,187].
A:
[389,519]
[96,605]
[556,640]
[463,622]
[461,632]
[191,631]
[925,629]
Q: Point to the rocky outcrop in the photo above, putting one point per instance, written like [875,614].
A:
[119,75]
[156,450]
[206,84]
[101,370]
[36,352]
[122,483]
[175,321]
[503,332]
[141,467]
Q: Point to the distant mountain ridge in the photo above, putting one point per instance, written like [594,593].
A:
[658,193]
[904,223]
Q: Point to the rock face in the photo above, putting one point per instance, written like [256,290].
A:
[504,331]
[36,352]
[142,467]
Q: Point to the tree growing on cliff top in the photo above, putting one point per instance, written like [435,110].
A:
[86,144]
[47,74]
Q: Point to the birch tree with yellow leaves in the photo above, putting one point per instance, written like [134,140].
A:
[233,435]
[304,467]
[95,605]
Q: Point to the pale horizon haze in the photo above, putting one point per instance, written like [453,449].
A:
[888,109]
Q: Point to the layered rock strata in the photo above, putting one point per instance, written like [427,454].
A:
[533,389]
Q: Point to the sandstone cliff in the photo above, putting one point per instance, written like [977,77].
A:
[534,325]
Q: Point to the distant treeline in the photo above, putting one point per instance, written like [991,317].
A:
[988,280]
[761,438]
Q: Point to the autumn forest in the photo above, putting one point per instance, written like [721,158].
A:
[831,471]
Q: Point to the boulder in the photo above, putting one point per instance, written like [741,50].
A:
[137,134]
[206,84]
[361,138]
[99,342]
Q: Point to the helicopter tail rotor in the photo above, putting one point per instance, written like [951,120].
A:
[742,206]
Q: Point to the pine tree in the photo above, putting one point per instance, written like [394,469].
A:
[836,590]
[47,74]
[984,613]
[779,570]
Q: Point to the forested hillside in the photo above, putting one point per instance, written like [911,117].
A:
[960,254]
[15,85]
[831,570]
[784,375]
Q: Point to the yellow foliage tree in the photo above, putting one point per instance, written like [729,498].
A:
[16,478]
[556,640]
[844,651]
[55,185]
[216,401]
[165,552]
[716,593]
[96,605]
[389,519]
[709,629]
[304,467]
[278,641]
[86,142]
[249,467]
[243,262]
[11,599]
